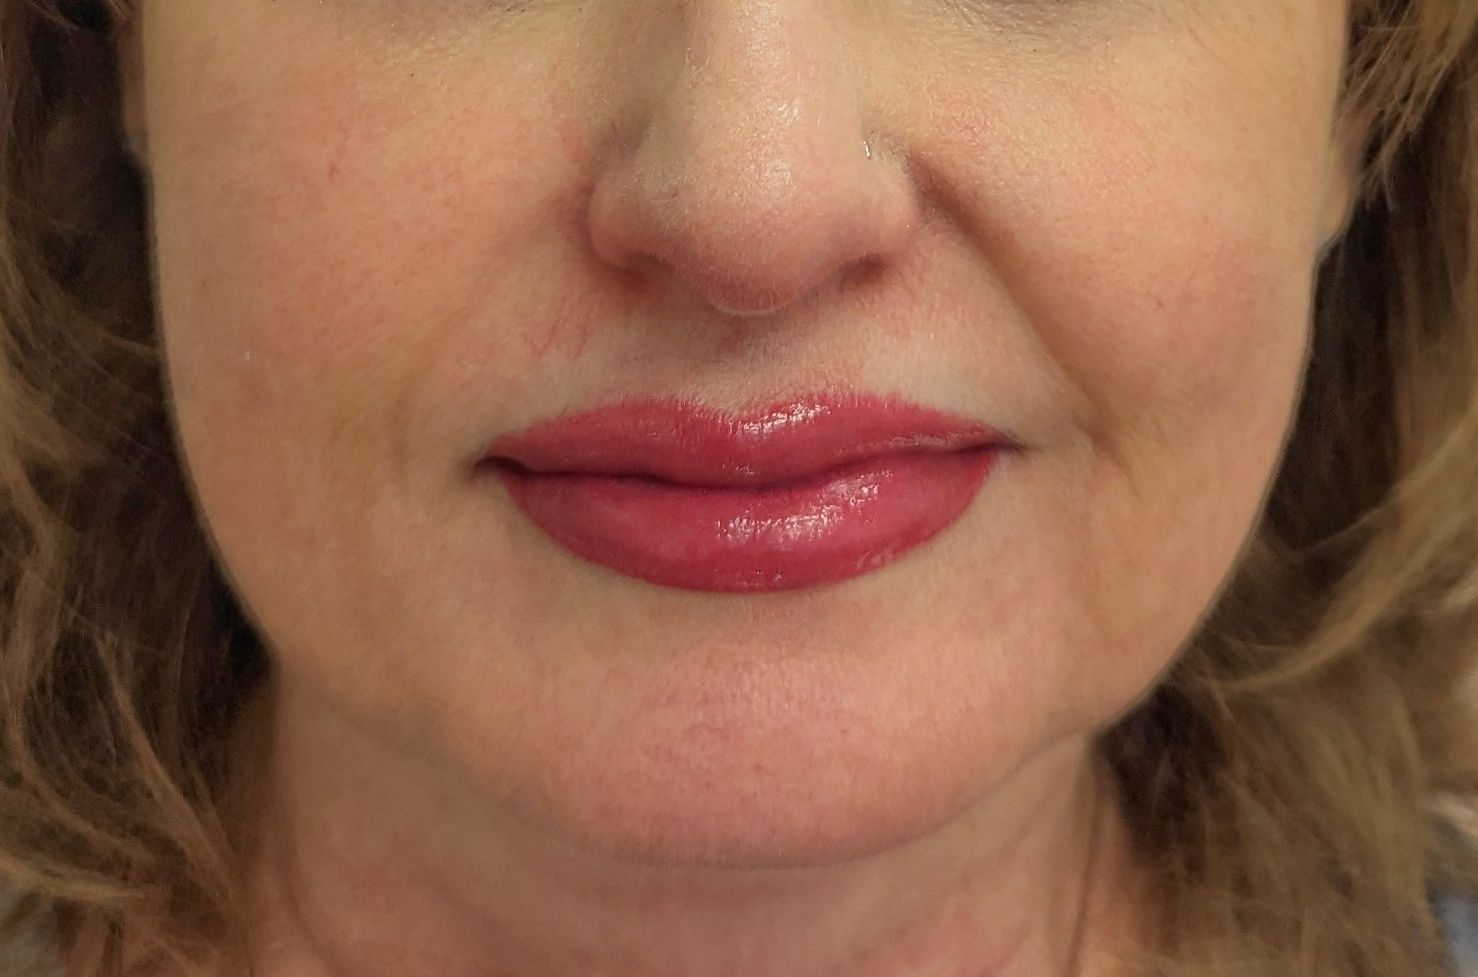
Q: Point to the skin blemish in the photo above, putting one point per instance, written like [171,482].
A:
[336,157]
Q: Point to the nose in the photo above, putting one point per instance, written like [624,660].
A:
[750,179]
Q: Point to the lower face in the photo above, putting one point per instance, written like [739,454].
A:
[380,244]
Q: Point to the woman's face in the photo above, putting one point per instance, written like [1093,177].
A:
[388,233]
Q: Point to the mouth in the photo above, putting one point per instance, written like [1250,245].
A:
[799,494]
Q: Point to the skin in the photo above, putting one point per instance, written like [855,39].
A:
[386,232]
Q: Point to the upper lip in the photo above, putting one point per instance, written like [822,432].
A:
[685,442]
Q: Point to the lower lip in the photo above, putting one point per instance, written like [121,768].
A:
[840,524]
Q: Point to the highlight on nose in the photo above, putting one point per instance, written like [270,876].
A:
[750,244]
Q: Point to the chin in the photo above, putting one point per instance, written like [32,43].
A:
[746,784]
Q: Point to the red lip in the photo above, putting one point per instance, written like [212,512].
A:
[801,493]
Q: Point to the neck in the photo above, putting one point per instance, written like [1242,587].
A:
[370,862]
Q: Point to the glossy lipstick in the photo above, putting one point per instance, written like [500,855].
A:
[801,493]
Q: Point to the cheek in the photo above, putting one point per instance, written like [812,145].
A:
[326,194]
[1169,281]
[1186,344]
[327,221]
[1163,257]
[325,226]
[1155,216]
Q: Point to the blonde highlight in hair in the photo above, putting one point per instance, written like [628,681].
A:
[1301,781]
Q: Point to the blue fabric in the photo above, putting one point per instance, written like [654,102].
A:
[1460,919]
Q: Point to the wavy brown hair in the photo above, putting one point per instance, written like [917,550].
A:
[1303,781]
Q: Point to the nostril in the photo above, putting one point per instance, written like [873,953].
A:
[866,270]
